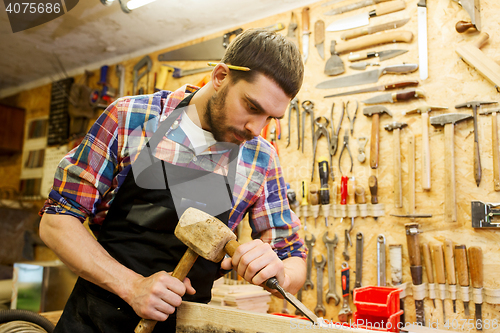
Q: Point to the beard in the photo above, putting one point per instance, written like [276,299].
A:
[215,117]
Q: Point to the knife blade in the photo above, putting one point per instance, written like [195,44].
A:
[383,87]
[366,77]
[319,37]
[396,97]
[373,29]
[363,19]
[382,55]
[353,6]
[305,33]
[422,39]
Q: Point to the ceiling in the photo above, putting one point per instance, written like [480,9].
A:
[91,35]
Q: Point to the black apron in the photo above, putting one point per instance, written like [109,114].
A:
[139,233]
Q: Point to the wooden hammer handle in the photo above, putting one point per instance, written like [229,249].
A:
[180,272]
[374,143]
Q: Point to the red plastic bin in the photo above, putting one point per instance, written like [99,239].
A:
[377,323]
[377,301]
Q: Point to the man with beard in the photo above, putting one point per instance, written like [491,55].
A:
[146,160]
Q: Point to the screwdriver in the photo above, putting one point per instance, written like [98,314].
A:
[324,191]
[343,196]
[314,202]
[463,274]
[303,202]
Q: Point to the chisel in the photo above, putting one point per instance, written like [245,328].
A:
[440,274]
[449,260]
[426,252]
[463,274]
[413,242]
[476,276]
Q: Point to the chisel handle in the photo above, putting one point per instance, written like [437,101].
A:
[449,260]
[428,262]
[413,243]
[180,272]
[437,250]
[462,266]
[305,20]
[476,266]
[373,184]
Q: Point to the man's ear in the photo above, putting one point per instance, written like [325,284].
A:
[219,74]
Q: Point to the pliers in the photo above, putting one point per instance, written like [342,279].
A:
[351,121]
[345,145]
[322,130]
[335,133]
[308,109]
[294,106]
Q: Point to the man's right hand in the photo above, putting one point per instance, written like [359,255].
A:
[156,297]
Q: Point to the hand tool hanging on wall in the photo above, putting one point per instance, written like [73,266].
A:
[353,6]
[144,62]
[345,311]
[335,132]
[345,145]
[381,261]
[299,297]
[212,49]
[351,205]
[382,55]
[319,38]
[382,87]
[374,29]
[426,253]
[471,53]
[495,148]
[362,19]
[413,243]
[162,77]
[324,191]
[477,157]
[361,148]
[305,34]
[402,96]
[320,267]
[373,185]
[396,149]
[449,261]
[314,203]
[303,202]
[448,121]
[334,65]
[483,215]
[179,72]
[310,242]
[322,124]
[375,112]
[366,77]
[380,38]
[331,244]
[437,251]
[396,262]
[292,198]
[426,153]
[463,26]
[359,260]
[353,119]
[343,203]
[473,8]
[308,107]
[361,200]
[422,39]
[476,276]
[292,30]
[294,106]
[272,139]
[463,274]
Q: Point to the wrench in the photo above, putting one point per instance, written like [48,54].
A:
[320,266]
[347,242]
[359,260]
[381,281]
[309,243]
[346,310]
[331,244]
[299,297]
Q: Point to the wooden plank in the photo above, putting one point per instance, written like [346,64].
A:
[195,317]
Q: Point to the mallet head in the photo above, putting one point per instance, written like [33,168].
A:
[380,109]
[204,234]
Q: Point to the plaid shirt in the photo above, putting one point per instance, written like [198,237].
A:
[90,175]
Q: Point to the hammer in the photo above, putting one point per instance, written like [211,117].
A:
[210,238]
[374,112]
[477,158]
[448,121]
[396,148]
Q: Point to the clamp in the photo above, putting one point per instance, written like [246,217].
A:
[351,121]
[345,145]
[335,133]
[322,130]
[308,109]
[294,106]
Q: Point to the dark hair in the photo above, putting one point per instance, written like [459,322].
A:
[268,53]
